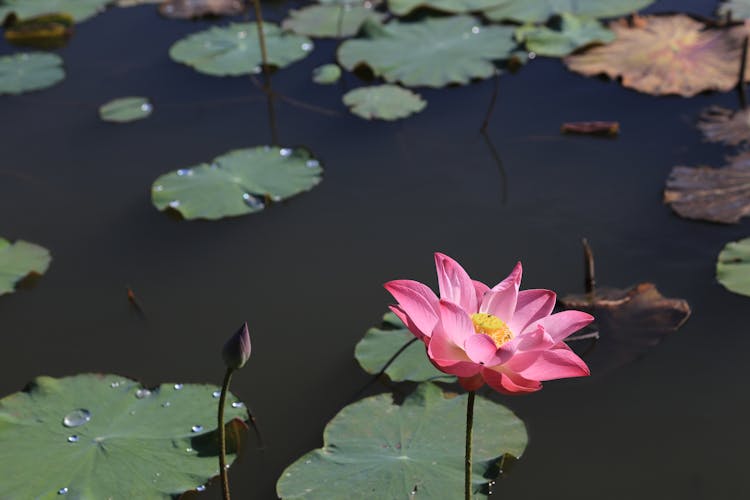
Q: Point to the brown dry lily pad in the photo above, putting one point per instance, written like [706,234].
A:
[672,54]
[711,194]
[591,128]
[628,321]
[189,9]
[726,126]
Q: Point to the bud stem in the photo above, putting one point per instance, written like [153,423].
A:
[222,436]
[469,425]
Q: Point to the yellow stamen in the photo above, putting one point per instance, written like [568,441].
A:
[492,326]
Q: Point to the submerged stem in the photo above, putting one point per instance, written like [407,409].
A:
[469,428]
[222,436]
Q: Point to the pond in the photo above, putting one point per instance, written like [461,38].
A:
[307,273]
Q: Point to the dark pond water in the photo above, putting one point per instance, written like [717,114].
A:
[307,274]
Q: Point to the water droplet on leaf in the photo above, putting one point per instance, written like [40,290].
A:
[73,439]
[76,418]
[196,428]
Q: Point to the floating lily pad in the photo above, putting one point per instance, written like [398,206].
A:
[332,21]
[383,102]
[48,31]
[711,194]
[29,71]
[79,9]
[233,50]
[740,9]
[434,52]
[190,9]
[237,182]
[733,267]
[568,34]
[126,109]
[327,74]
[404,7]
[133,3]
[667,55]
[105,436]
[19,260]
[538,11]
[379,346]
[600,128]
[375,449]
[724,125]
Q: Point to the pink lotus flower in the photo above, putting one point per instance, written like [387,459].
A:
[500,336]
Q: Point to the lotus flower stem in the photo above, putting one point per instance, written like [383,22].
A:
[742,75]
[469,426]
[222,436]
[588,265]
[261,35]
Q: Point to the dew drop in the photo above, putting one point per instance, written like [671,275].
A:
[216,394]
[276,198]
[184,171]
[115,385]
[73,439]
[242,34]
[196,428]
[532,55]
[146,107]
[142,393]
[76,418]
[177,387]
[285,152]
[308,461]
[166,404]
[159,188]
[189,450]
[312,163]
[257,70]
[62,491]
[307,47]
[174,203]
[252,202]
[200,488]
[238,404]
[475,30]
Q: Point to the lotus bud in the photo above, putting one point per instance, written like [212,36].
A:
[237,349]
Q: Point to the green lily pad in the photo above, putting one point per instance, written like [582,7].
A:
[733,267]
[571,33]
[379,345]
[24,72]
[538,11]
[435,52]
[375,449]
[404,7]
[330,21]
[740,9]
[236,183]
[327,74]
[384,102]
[79,9]
[233,50]
[106,436]
[19,260]
[126,109]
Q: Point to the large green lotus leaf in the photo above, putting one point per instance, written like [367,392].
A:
[233,50]
[571,33]
[383,102]
[733,267]
[375,449]
[79,9]
[18,260]
[434,52]
[125,109]
[29,71]
[332,21]
[380,345]
[105,436]
[237,182]
[404,7]
[538,11]
[740,9]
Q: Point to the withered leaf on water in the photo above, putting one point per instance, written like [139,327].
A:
[672,54]
[187,9]
[726,126]
[48,31]
[629,321]
[711,194]
[591,128]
